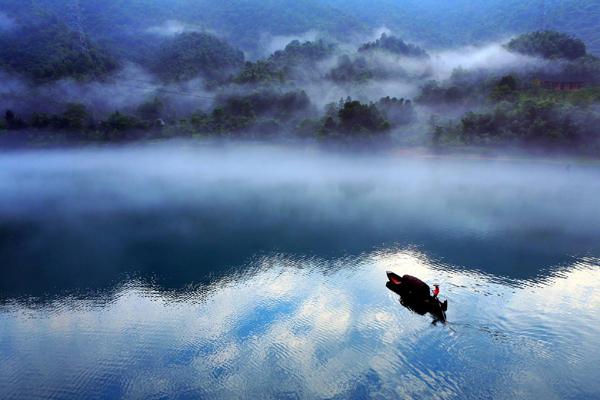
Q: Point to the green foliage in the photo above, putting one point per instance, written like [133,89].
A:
[358,117]
[297,52]
[353,117]
[75,117]
[285,64]
[583,98]
[540,122]
[522,114]
[308,127]
[396,111]
[151,110]
[41,120]
[432,93]
[260,72]
[50,51]
[586,69]
[394,45]
[434,23]
[13,121]
[190,55]
[117,122]
[548,44]
[280,105]
[465,22]
[466,88]
[218,122]
[505,89]
[351,70]
[261,110]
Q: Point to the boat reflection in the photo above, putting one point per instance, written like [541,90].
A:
[420,305]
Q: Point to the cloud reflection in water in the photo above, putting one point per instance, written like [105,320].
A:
[282,330]
[259,271]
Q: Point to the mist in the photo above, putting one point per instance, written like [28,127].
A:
[212,199]
[171,27]
[306,198]
[270,43]
[124,91]
[132,84]
[286,85]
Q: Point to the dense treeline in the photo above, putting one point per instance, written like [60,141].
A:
[292,62]
[393,45]
[269,95]
[261,112]
[191,55]
[435,24]
[124,25]
[449,23]
[524,108]
[524,114]
[51,51]
[531,120]
[548,44]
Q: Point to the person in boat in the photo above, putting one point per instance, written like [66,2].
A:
[417,293]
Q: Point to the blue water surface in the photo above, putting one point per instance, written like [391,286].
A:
[254,271]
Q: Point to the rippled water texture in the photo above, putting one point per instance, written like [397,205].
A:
[259,272]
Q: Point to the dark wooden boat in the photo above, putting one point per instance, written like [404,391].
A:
[416,296]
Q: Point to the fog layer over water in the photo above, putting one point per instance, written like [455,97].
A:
[220,271]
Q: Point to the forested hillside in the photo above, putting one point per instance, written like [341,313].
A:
[243,23]
[438,23]
[194,54]
[458,74]
[433,23]
[50,50]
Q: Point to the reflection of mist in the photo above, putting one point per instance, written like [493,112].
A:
[156,210]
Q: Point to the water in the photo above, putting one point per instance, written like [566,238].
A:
[259,272]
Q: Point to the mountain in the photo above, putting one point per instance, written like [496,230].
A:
[241,22]
[50,51]
[193,54]
[431,23]
[440,23]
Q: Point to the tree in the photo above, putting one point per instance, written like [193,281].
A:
[352,70]
[396,111]
[394,45]
[548,44]
[50,50]
[194,54]
[75,117]
[12,121]
[152,109]
[357,117]
[120,122]
[505,88]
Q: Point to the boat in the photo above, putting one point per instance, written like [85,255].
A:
[416,296]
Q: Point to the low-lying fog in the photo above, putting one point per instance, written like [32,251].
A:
[280,179]
[176,262]
[300,198]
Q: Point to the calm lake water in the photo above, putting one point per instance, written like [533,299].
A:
[249,271]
